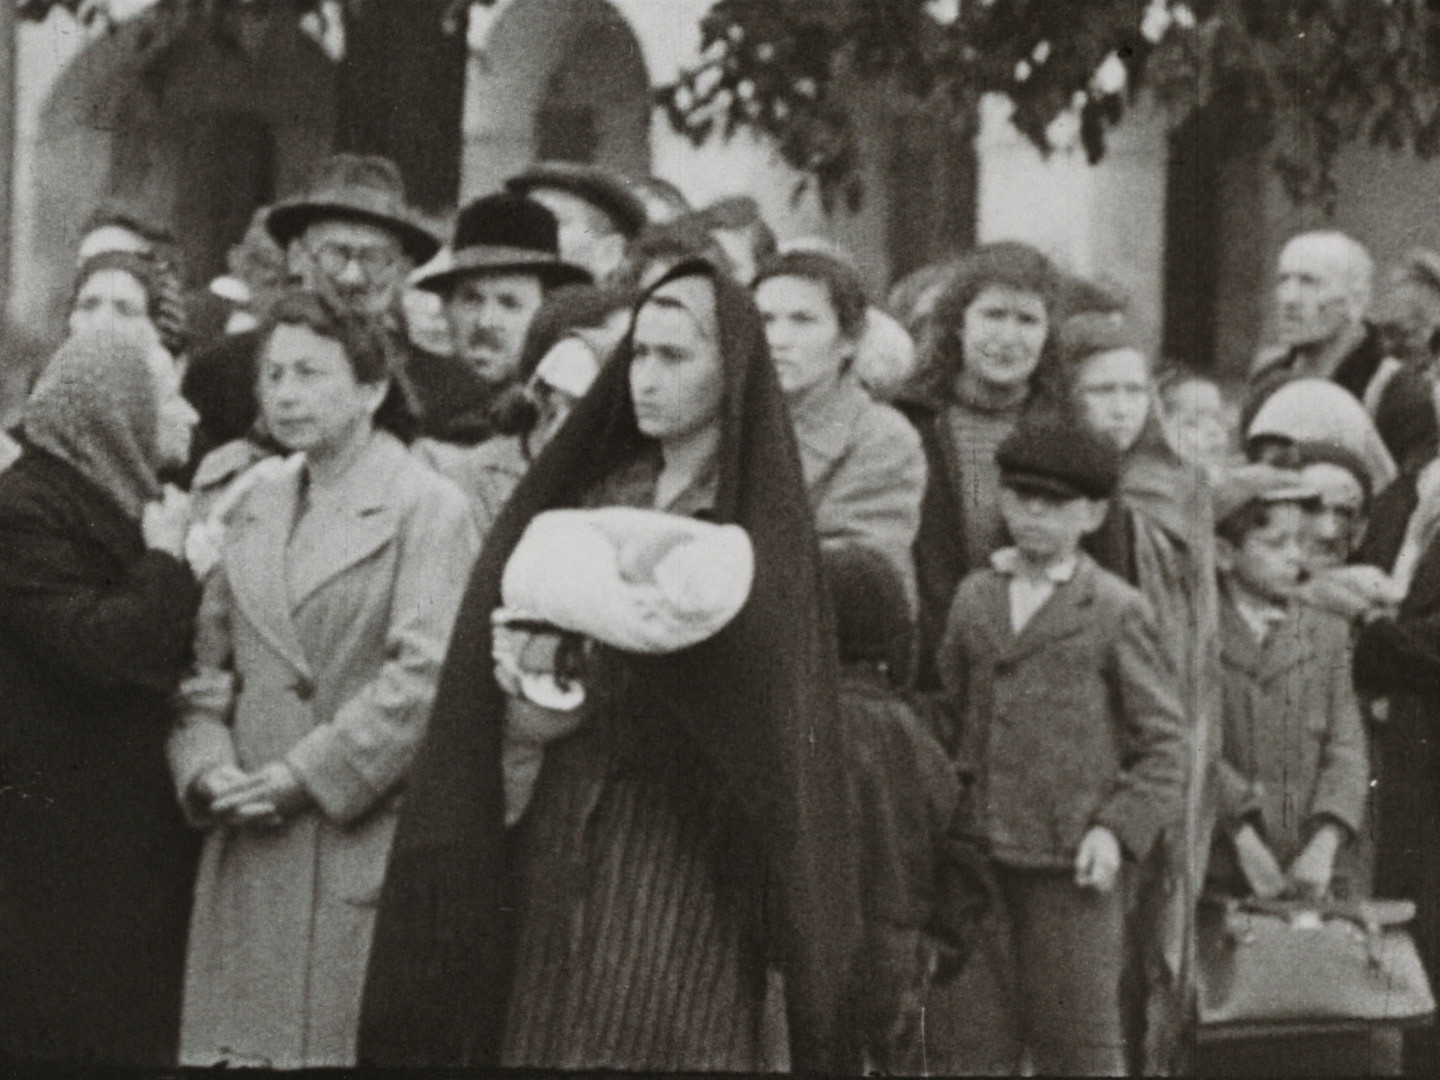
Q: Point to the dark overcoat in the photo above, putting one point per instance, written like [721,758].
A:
[96,862]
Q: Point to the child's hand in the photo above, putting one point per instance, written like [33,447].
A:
[1312,869]
[1097,863]
[1257,862]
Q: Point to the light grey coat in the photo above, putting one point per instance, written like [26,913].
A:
[330,665]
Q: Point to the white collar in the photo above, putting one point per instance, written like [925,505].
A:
[1009,562]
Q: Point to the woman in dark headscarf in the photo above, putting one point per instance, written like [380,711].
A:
[96,609]
[692,833]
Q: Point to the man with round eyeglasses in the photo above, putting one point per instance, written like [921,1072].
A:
[352,238]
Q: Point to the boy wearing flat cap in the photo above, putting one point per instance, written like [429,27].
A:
[1293,779]
[1071,742]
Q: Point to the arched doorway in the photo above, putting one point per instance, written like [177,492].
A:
[556,79]
[195,129]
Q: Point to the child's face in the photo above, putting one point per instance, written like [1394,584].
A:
[1271,559]
[1337,523]
[1048,528]
[1114,392]
[1196,421]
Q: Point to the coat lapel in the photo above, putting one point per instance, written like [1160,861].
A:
[1067,612]
[255,564]
[355,521]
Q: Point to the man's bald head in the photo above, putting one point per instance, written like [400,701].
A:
[1323,287]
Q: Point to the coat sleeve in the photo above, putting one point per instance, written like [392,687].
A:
[1150,792]
[947,709]
[1400,655]
[201,738]
[351,763]
[874,498]
[1343,785]
[130,630]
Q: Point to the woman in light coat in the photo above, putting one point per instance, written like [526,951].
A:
[863,465]
[318,646]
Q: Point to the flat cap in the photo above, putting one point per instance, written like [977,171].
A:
[1050,452]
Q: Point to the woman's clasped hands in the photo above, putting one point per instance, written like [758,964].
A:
[264,799]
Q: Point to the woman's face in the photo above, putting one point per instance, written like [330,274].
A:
[110,301]
[676,377]
[308,392]
[1003,334]
[1113,390]
[803,332]
[175,419]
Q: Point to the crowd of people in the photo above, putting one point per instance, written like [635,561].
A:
[612,639]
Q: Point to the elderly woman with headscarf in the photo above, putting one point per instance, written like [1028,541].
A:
[691,835]
[96,612]
[980,371]
[317,650]
[1159,537]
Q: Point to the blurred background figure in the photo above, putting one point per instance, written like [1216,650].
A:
[664,202]
[597,210]
[570,339]
[1198,421]
[1322,298]
[255,273]
[741,232]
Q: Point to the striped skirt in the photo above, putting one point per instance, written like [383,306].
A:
[627,957]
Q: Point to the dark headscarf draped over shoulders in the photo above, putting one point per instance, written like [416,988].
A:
[96,408]
[756,702]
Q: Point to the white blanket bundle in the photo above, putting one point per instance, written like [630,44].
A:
[638,580]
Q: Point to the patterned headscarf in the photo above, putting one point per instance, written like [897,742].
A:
[96,408]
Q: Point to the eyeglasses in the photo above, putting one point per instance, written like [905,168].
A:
[334,259]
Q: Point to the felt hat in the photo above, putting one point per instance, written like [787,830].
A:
[503,233]
[354,187]
[602,188]
[1246,484]
[1049,453]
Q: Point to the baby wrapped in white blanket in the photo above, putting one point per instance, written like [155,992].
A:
[637,580]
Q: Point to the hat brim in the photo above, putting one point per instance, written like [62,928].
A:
[624,208]
[288,220]
[467,262]
[1027,483]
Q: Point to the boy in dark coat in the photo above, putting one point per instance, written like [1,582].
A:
[1293,779]
[924,890]
[1071,741]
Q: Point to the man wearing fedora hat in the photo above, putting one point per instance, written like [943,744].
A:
[351,237]
[504,258]
[599,212]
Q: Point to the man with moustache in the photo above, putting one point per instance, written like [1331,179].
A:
[504,258]
[351,238]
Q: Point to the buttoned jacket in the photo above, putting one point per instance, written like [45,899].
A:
[1074,722]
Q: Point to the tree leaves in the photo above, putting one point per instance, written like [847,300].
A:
[1304,77]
